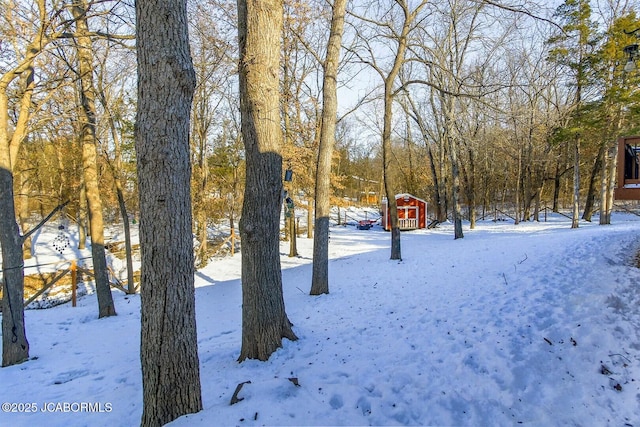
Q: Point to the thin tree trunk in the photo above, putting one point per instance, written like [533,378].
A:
[596,172]
[609,179]
[441,211]
[575,218]
[320,272]
[87,114]
[116,168]
[455,175]
[604,186]
[471,189]
[387,155]
[556,187]
[131,288]
[518,187]
[293,237]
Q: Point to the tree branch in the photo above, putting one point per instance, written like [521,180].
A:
[522,11]
[44,221]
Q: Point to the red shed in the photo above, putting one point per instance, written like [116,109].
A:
[412,212]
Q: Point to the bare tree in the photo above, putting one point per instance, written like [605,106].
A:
[87,114]
[264,320]
[166,82]
[398,35]
[214,66]
[320,273]
[15,347]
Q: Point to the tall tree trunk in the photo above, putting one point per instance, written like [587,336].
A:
[320,272]
[452,147]
[293,236]
[604,186]
[87,114]
[131,287]
[455,193]
[608,184]
[518,186]
[389,185]
[441,210]
[117,178]
[589,207]
[556,187]
[264,320]
[575,217]
[387,155]
[310,217]
[471,188]
[22,200]
[169,344]
[15,348]
[82,215]
[293,243]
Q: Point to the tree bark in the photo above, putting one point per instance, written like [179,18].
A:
[166,82]
[575,217]
[608,183]
[455,193]
[320,272]
[15,347]
[310,207]
[82,215]
[131,287]
[264,321]
[589,206]
[387,156]
[293,243]
[116,170]
[87,114]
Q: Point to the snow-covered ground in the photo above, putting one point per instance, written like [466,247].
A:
[535,324]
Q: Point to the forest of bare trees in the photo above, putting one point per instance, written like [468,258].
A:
[475,106]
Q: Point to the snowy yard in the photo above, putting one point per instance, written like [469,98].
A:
[534,324]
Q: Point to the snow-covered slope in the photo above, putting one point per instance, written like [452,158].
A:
[534,324]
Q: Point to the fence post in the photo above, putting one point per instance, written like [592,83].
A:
[74,282]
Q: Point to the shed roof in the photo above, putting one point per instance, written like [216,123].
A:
[402,195]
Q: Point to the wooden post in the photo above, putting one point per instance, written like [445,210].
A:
[74,282]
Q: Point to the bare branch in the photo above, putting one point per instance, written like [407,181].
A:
[520,10]
[44,221]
